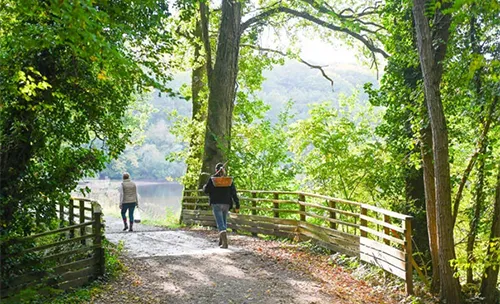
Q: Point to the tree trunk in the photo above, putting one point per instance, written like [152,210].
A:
[222,85]
[415,206]
[490,276]
[198,115]
[474,223]
[432,70]
[430,202]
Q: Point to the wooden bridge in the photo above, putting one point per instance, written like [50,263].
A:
[377,236]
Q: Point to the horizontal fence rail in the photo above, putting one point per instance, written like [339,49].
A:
[67,257]
[377,236]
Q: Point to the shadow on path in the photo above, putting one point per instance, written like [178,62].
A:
[173,266]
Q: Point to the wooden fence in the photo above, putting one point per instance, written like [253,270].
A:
[377,236]
[67,257]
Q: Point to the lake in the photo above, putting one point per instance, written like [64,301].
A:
[157,200]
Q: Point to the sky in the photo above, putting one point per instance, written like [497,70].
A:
[319,52]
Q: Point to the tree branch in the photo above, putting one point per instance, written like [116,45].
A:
[307,16]
[472,161]
[370,10]
[312,66]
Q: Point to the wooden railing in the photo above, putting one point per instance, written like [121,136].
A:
[67,257]
[377,236]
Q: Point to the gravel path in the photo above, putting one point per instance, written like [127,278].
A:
[177,266]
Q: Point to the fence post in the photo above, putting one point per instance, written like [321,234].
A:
[387,231]
[82,219]
[302,208]
[97,227]
[276,207]
[363,222]
[333,214]
[61,215]
[71,220]
[408,256]
[254,205]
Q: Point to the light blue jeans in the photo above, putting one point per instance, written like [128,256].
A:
[220,213]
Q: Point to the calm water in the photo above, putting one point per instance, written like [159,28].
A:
[156,199]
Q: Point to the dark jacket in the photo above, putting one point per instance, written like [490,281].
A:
[221,195]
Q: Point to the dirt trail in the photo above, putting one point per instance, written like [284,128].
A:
[169,266]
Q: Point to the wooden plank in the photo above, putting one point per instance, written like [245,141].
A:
[324,197]
[330,209]
[34,236]
[331,232]
[368,243]
[267,192]
[23,279]
[270,210]
[196,204]
[380,255]
[71,252]
[382,223]
[261,231]
[81,273]
[199,217]
[349,250]
[337,240]
[268,200]
[386,212]
[73,240]
[271,226]
[74,283]
[330,220]
[75,265]
[197,212]
[201,223]
[395,270]
[89,200]
[193,191]
[34,277]
[382,235]
[205,198]
[249,217]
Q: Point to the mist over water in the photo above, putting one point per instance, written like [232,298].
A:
[157,200]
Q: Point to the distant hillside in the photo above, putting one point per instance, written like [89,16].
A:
[292,81]
[303,85]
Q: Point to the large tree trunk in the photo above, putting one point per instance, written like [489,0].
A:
[222,84]
[430,202]
[432,71]
[490,276]
[198,115]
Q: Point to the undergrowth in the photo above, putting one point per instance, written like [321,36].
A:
[43,294]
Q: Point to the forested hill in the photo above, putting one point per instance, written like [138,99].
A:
[293,81]
[304,85]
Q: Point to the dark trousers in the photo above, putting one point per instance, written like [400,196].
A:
[131,208]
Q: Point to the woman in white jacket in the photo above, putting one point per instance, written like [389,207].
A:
[128,201]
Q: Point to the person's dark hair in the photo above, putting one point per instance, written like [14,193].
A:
[218,168]
[126,175]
